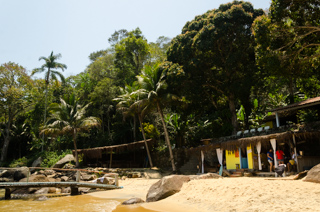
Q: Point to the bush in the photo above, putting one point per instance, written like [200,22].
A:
[51,158]
[19,162]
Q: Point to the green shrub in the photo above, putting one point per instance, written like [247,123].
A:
[51,158]
[19,162]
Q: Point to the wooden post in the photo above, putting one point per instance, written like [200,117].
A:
[116,182]
[74,190]
[78,176]
[277,120]
[110,159]
[295,151]
[7,194]
[28,174]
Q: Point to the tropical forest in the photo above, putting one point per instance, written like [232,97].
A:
[223,73]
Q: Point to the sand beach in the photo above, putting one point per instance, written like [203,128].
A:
[226,194]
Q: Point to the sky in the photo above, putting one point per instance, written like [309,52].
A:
[30,29]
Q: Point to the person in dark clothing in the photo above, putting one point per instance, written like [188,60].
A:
[270,159]
[280,169]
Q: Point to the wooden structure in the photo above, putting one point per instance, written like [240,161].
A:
[73,185]
[312,103]
[105,156]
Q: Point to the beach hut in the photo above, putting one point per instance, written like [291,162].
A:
[130,155]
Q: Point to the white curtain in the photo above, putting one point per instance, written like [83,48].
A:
[259,151]
[202,159]
[220,159]
[274,147]
[220,156]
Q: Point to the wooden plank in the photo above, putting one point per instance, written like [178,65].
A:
[56,184]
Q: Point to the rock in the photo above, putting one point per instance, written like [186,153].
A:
[52,190]
[87,177]
[247,174]
[152,174]
[41,172]
[36,178]
[7,173]
[84,190]
[226,173]
[134,175]
[66,190]
[300,175]
[104,180]
[40,198]
[132,201]
[166,187]
[48,172]
[69,166]
[67,159]
[5,180]
[205,176]
[36,163]
[64,179]
[313,174]
[42,191]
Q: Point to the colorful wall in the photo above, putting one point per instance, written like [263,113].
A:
[250,156]
[232,159]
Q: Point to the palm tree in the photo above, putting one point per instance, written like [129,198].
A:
[49,66]
[153,81]
[132,103]
[69,118]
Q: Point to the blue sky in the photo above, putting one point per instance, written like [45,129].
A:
[75,28]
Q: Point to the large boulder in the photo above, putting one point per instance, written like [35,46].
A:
[67,159]
[8,173]
[132,201]
[166,187]
[313,174]
[36,163]
[20,173]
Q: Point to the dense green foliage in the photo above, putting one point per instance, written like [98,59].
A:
[221,74]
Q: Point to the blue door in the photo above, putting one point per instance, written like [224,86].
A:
[244,163]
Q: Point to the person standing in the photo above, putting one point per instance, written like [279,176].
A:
[280,156]
[270,159]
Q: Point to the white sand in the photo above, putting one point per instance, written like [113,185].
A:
[227,194]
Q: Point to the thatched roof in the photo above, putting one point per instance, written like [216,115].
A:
[299,105]
[282,137]
[97,151]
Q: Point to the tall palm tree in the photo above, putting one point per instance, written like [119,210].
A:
[132,103]
[50,73]
[153,81]
[69,118]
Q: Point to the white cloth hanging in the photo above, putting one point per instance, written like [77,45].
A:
[274,147]
[220,156]
[220,159]
[259,151]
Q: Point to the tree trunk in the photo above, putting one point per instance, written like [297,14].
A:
[45,106]
[167,138]
[291,91]
[75,147]
[232,108]
[145,141]
[5,146]
[134,127]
